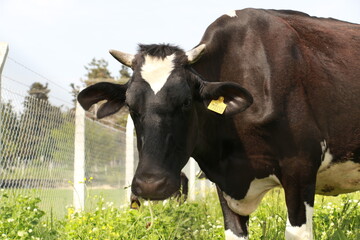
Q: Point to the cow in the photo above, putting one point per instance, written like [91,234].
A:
[267,98]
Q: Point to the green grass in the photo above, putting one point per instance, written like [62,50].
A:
[56,201]
[334,218]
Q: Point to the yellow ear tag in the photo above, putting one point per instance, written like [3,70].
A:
[218,105]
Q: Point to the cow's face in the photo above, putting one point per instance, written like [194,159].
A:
[164,97]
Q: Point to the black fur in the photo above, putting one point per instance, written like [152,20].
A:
[159,50]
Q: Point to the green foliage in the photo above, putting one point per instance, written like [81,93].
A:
[164,220]
[39,91]
[21,218]
[37,120]
[9,136]
[124,74]
[337,219]
[97,71]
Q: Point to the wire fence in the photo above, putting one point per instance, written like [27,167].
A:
[37,152]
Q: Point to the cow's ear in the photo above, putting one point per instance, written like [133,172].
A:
[225,98]
[113,93]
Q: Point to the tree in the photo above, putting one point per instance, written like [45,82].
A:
[36,122]
[97,71]
[9,134]
[39,91]
[124,73]
[74,92]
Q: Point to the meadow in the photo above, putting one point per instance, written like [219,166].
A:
[21,217]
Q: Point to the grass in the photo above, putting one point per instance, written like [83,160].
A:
[56,201]
[22,218]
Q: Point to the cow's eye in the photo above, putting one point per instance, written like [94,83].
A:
[187,103]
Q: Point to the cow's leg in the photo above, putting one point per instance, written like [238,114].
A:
[300,203]
[235,225]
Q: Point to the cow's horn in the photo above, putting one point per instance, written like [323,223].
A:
[124,58]
[195,53]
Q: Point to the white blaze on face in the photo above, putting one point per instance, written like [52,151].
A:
[304,232]
[156,71]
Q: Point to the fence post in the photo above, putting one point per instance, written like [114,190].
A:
[129,161]
[79,159]
[192,186]
[4,49]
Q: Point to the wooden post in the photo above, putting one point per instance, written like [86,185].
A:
[79,159]
[129,159]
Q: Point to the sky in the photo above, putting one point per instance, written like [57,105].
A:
[52,40]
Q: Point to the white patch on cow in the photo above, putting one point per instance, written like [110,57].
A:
[337,178]
[256,191]
[326,156]
[304,232]
[229,235]
[156,71]
[232,13]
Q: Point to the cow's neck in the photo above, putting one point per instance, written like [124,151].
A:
[218,150]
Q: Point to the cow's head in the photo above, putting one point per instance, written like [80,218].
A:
[164,97]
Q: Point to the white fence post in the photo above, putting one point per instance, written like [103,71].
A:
[129,162]
[79,161]
[4,49]
[192,186]
[203,188]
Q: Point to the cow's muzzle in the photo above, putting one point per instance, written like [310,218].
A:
[153,187]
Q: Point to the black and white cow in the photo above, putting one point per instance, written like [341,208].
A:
[284,91]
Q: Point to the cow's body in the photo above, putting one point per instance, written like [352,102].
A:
[302,130]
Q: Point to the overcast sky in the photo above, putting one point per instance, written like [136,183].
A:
[56,38]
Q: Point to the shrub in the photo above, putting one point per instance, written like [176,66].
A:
[20,217]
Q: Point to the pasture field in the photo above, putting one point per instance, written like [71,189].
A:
[335,218]
[57,200]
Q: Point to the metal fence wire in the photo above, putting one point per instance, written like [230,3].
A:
[37,153]
[35,140]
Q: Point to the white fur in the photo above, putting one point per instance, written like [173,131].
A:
[336,178]
[256,191]
[326,156]
[156,71]
[232,13]
[304,232]
[229,235]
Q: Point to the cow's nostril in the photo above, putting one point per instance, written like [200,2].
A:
[149,187]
